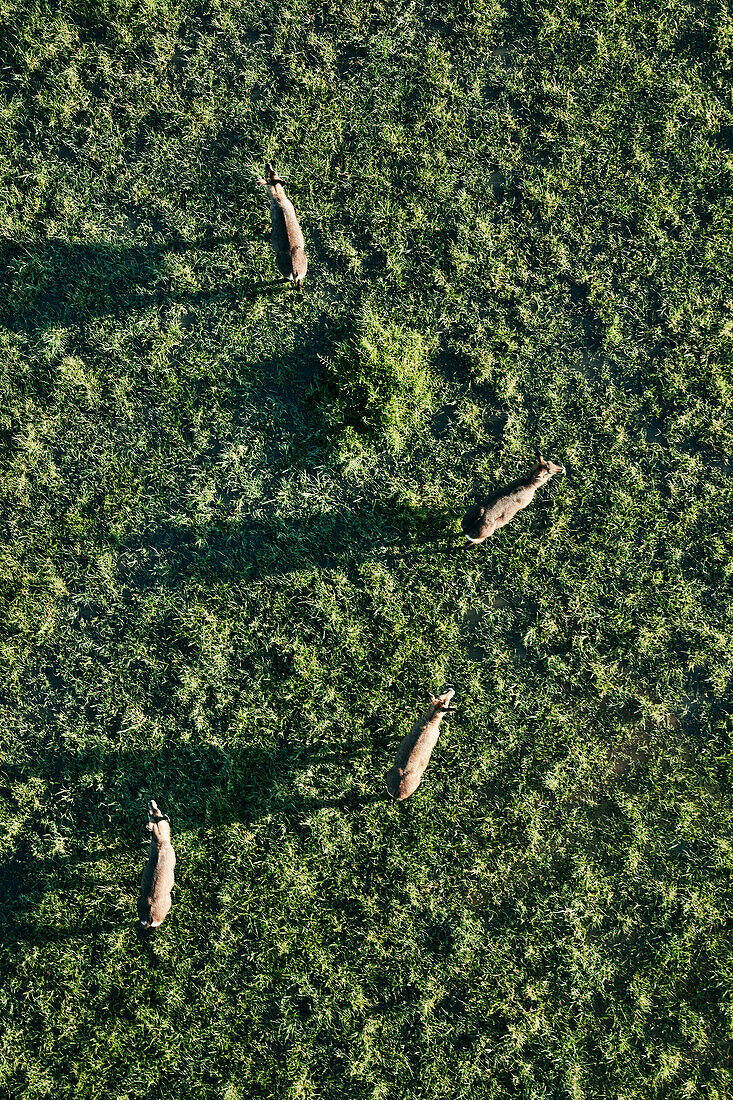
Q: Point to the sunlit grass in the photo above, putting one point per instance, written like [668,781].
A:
[230,568]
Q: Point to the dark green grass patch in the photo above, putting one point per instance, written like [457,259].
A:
[212,596]
[377,385]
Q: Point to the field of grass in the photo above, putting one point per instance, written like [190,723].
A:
[230,568]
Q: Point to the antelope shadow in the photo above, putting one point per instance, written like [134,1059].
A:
[55,282]
[251,548]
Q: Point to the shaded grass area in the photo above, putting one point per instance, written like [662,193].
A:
[210,599]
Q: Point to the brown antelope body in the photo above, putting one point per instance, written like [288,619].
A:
[287,239]
[156,883]
[481,520]
[415,750]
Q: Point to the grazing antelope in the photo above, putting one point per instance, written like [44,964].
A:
[413,754]
[481,520]
[287,239]
[156,883]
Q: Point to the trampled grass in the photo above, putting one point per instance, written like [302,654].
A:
[214,596]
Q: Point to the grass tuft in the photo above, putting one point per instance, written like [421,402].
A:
[377,386]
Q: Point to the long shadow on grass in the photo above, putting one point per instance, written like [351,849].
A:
[54,282]
[248,549]
[196,784]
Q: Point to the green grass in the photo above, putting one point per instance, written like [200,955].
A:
[377,386]
[214,597]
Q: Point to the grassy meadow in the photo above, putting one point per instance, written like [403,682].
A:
[230,558]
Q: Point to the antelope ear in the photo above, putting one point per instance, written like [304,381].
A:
[432,697]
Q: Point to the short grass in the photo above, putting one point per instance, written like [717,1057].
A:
[217,593]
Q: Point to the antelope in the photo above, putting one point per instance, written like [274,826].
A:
[156,883]
[481,520]
[413,754]
[287,239]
